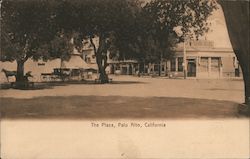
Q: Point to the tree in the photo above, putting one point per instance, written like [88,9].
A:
[103,19]
[237,19]
[24,30]
[123,27]
[42,29]
[153,36]
[189,15]
[164,16]
[28,30]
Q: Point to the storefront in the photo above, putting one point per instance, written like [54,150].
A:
[204,61]
[126,67]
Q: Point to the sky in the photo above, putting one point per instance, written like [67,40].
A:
[218,30]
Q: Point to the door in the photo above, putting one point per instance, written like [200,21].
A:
[191,68]
[130,69]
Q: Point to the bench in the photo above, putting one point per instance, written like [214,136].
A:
[25,84]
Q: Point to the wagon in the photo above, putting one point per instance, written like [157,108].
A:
[63,74]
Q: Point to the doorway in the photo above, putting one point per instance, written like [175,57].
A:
[191,68]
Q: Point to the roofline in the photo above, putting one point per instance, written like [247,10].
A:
[205,50]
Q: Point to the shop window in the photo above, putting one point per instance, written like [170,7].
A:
[180,64]
[215,62]
[75,72]
[203,64]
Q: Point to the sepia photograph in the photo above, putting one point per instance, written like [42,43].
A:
[124,79]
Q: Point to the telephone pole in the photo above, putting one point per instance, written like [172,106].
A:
[184,59]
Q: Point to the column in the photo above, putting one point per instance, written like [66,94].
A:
[114,67]
[168,65]
[209,66]
[197,65]
[176,64]
[127,69]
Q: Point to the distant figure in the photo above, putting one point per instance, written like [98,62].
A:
[9,73]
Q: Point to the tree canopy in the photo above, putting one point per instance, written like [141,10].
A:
[164,23]
[125,28]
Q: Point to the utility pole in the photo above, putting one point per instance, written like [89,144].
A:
[184,59]
[184,63]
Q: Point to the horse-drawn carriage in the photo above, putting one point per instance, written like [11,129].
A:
[63,74]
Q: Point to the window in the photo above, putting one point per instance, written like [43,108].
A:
[180,64]
[215,64]
[173,66]
[162,68]
[204,64]
[41,64]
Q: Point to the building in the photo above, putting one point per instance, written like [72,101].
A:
[40,67]
[203,60]
[210,57]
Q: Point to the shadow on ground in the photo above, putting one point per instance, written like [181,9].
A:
[116,107]
[51,85]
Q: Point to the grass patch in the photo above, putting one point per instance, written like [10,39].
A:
[115,107]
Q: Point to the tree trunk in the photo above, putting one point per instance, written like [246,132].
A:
[237,19]
[21,80]
[246,76]
[101,58]
[101,67]
[20,71]
[247,91]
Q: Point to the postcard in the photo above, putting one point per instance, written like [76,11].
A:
[124,79]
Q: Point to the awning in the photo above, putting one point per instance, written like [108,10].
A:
[75,62]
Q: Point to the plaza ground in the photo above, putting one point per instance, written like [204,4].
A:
[126,97]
